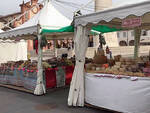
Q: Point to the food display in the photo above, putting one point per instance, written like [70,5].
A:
[24,73]
[119,66]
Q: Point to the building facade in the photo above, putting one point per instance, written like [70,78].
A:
[126,38]
[26,15]
[24,9]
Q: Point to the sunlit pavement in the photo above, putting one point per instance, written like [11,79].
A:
[12,101]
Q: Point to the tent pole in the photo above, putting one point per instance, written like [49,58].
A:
[137,35]
[40,87]
[55,49]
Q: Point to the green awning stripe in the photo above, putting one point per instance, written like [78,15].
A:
[64,29]
[95,29]
[104,29]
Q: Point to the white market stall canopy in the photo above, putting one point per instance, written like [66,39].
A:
[111,18]
[115,16]
[48,18]
[12,51]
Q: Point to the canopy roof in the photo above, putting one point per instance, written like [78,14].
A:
[48,18]
[113,17]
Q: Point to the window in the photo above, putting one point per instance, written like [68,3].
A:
[144,33]
[118,34]
[123,43]
[91,43]
[26,16]
[124,34]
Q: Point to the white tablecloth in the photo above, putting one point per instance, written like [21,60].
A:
[123,95]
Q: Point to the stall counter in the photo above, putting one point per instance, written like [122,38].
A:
[119,93]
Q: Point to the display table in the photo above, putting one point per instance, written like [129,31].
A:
[119,93]
[58,77]
[26,80]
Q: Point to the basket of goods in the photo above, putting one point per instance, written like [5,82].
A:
[117,58]
[122,69]
[46,65]
[89,66]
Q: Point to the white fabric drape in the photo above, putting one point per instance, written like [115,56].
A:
[40,87]
[76,93]
[13,51]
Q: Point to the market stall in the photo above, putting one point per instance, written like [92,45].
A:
[48,24]
[32,73]
[131,71]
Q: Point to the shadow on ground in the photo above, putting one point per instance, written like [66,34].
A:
[55,101]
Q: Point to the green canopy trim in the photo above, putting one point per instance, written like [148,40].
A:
[95,30]
[104,29]
[64,29]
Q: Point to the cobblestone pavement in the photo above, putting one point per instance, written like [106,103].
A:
[12,101]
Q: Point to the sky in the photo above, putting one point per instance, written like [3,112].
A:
[12,6]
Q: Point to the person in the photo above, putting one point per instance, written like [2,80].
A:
[108,53]
[69,46]
[100,48]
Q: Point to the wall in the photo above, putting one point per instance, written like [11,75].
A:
[127,51]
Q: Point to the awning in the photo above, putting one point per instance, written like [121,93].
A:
[115,16]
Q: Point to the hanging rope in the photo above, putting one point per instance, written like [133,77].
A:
[83,6]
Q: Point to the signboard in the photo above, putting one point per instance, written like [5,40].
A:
[134,22]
